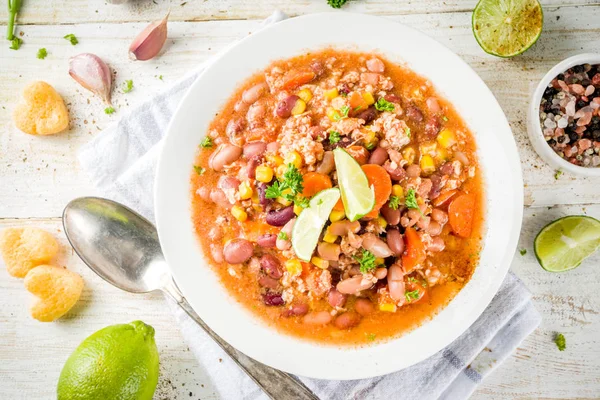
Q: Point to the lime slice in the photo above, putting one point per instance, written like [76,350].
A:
[310,223]
[506,28]
[358,197]
[563,244]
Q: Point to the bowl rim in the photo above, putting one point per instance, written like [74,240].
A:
[534,128]
[370,360]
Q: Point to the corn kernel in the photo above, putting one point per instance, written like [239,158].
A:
[297,209]
[332,114]
[255,197]
[389,307]
[305,94]
[441,155]
[299,107]
[368,98]
[239,213]
[245,191]
[398,191]
[336,216]
[446,138]
[331,94]
[283,200]
[319,262]
[409,154]
[293,266]
[274,159]
[294,158]
[264,173]
[379,261]
[427,164]
[328,237]
[280,170]
[381,222]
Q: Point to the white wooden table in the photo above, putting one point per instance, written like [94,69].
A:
[39,175]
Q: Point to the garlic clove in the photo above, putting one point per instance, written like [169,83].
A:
[150,41]
[92,73]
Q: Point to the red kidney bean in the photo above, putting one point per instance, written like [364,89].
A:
[286,244]
[285,106]
[228,182]
[238,251]
[341,228]
[329,251]
[380,273]
[395,241]
[436,186]
[317,318]
[268,282]
[375,245]
[434,228]
[396,174]
[298,309]
[224,155]
[280,217]
[267,240]
[363,306]
[353,285]
[327,165]
[375,65]
[413,171]
[368,115]
[396,282]
[253,149]
[392,217]
[432,128]
[414,114]
[272,299]
[251,167]
[447,168]
[335,298]
[271,265]
[343,89]
[253,93]
[378,156]
[346,320]
[393,98]
[262,194]
[234,128]
[439,216]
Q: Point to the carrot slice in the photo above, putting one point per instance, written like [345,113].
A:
[339,206]
[380,179]
[414,254]
[460,214]
[313,183]
[356,102]
[443,198]
[296,78]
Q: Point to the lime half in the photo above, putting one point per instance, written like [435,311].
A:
[506,28]
[310,223]
[563,244]
[358,197]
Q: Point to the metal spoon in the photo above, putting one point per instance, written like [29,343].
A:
[122,247]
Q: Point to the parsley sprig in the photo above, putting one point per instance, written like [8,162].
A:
[334,137]
[206,143]
[411,199]
[367,261]
[410,296]
[289,187]
[128,87]
[394,202]
[384,105]
[560,341]
[282,236]
[72,38]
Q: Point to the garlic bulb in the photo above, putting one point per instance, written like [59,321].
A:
[150,41]
[92,73]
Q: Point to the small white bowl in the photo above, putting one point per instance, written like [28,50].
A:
[534,128]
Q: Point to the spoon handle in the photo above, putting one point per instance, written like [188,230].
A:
[278,385]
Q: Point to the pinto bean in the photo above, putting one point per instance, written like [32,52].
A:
[370,78]
[346,320]
[395,241]
[363,306]
[251,167]
[375,65]
[285,106]
[234,128]
[378,156]
[220,199]
[273,299]
[297,309]
[437,244]
[368,115]
[268,282]
[328,163]
[392,217]
[439,216]
[217,253]
[228,182]
[273,147]
[335,298]
[317,67]
[413,171]
[256,114]
[353,285]
[341,228]
[396,174]
[424,222]
[286,244]
[396,282]
[204,193]
[376,246]
[238,251]
[433,105]
[224,155]
[380,273]
[254,149]
[280,217]
[317,318]
[414,114]
[267,240]
[424,188]
[329,251]
[434,228]
[253,93]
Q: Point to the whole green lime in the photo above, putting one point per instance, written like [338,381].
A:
[119,362]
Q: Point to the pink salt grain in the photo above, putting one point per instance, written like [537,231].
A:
[577,88]
[589,90]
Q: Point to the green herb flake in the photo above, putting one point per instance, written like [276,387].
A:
[42,53]
[445,118]
[557,174]
[128,86]
[334,137]
[371,337]
[15,43]
[344,110]
[336,3]
[394,202]
[384,105]
[282,236]
[72,38]
[109,110]
[367,261]
[523,252]
[560,341]
[411,199]
[206,143]
[407,131]
[160,77]
[301,201]
[410,296]
[199,170]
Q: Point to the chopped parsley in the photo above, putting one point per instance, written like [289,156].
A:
[394,202]
[371,337]
[384,105]
[15,43]
[109,110]
[560,341]
[445,118]
[407,131]
[410,296]
[72,38]
[199,170]
[128,86]
[557,174]
[334,137]
[523,251]
[301,201]
[367,261]
[345,110]
[411,199]
[370,146]
[292,180]
[42,53]
[206,143]
[336,3]
[282,236]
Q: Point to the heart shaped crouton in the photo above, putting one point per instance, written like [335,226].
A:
[42,110]
[25,248]
[56,289]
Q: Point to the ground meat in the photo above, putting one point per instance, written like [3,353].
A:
[296,134]
[395,131]
[319,283]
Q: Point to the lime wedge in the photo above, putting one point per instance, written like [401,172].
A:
[310,223]
[358,197]
[563,244]
[506,28]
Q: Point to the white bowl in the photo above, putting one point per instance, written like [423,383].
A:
[534,128]
[453,78]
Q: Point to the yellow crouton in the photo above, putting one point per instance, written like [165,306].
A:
[25,248]
[42,111]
